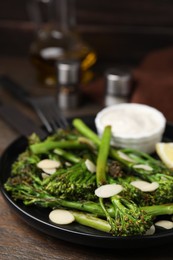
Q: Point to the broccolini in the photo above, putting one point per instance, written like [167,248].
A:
[72,186]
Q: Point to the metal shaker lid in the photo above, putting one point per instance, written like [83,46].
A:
[118,82]
[68,71]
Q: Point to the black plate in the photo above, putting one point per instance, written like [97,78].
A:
[38,217]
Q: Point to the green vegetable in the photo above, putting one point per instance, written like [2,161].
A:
[86,131]
[103,156]
[46,146]
[72,186]
[156,172]
[130,160]
[128,218]
[74,183]
[135,157]
[66,155]
[91,221]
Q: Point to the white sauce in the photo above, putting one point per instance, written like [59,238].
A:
[131,121]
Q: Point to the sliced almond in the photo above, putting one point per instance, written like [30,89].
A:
[164,224]
[68,164]
[108,190]
[150,231]
[125,156]
[85,140]
[90,166]
[145,186]
[61,216]
[143,166]
[48,164]
[49,170]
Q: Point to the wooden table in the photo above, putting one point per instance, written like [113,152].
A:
[18,240]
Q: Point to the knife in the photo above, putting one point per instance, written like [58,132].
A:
[19,121]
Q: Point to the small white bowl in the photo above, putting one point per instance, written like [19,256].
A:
[134,126]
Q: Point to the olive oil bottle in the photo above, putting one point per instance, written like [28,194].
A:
[56,40]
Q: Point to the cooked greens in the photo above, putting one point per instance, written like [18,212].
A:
[72,185]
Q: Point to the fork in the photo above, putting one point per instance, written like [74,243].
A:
[49,113]
[46,107]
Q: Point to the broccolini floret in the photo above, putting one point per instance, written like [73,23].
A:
[163,194]
[73,183]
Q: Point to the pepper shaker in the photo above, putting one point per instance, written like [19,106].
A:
[68,82]
[118,86]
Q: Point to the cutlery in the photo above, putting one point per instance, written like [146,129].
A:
[45,106]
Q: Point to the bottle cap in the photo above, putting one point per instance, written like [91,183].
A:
[68,72]
[118,82]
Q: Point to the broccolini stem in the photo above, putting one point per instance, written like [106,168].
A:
[103,156]
[102,166]
[86,131]
[46,146]
[95,208]
[87,206]
[68,156]
[91,221]
[158,210]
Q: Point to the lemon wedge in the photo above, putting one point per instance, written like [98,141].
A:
[165,152]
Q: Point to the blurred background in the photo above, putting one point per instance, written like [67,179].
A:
[119,34]
[120,31]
